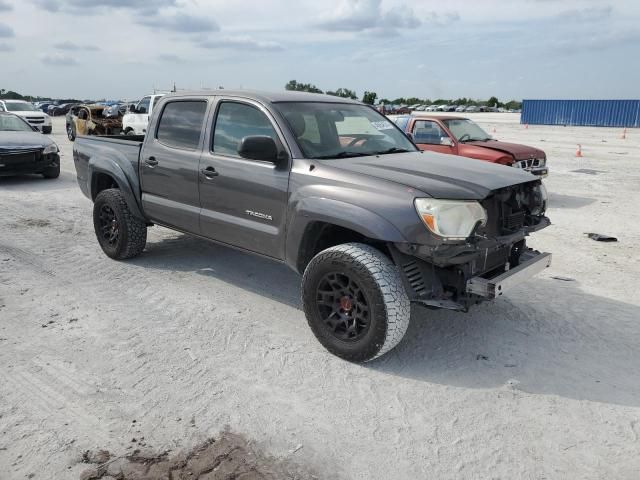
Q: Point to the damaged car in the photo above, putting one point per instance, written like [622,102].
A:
[332,189]
[89,120]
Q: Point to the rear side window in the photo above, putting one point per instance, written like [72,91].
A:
[181,124]
[236,121]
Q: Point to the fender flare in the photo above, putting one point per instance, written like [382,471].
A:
[113,169]
[335,212]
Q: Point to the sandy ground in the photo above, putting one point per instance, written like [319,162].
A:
[192,337]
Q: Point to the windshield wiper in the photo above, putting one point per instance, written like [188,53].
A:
[344,155]
[393,150]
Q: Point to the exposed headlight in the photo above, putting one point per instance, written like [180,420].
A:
[540,197]
[453,219]
[53,148]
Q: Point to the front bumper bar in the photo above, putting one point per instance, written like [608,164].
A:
[496,286]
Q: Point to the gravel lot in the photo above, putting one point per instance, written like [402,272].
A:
[191,337]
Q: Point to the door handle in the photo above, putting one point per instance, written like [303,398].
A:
[151,161]
[209,172]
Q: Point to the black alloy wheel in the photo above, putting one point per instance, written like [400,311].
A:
[109,227]
[343,307]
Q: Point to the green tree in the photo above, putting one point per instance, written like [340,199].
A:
[493,102]
[344,93]
[369,97]
[302,87]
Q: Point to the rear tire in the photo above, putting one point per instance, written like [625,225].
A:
[120,234]
[355,301]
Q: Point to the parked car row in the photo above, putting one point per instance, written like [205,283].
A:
[405,109]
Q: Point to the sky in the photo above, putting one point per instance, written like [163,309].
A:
[511,49]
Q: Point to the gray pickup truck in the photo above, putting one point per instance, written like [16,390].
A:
[331,188]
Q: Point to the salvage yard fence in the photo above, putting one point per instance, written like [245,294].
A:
[594,113]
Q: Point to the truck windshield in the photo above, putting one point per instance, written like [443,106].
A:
[340,130]
[11,123]
[466,131]
[20,107]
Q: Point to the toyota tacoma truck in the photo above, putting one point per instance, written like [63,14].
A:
[329,187]
[460,136]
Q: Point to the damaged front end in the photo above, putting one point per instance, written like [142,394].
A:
[457,273]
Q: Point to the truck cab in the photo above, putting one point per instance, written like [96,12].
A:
[135,122]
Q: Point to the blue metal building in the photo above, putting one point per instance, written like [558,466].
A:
[593,113]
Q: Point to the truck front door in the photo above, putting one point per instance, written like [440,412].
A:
[429,135]
[243,201]
[169,164]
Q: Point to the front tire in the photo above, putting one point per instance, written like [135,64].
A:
[71,132]
[51,172]
[120,234]
[355,301]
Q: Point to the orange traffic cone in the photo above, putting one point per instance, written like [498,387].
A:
[624,134]
[579,151]
[526,125]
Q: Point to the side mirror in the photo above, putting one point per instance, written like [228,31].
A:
[446,141]
[259,147]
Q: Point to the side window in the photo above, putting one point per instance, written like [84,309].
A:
[428,131]
[181,124]
[143,106]
[236,121]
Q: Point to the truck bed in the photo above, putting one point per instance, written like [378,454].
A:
[95,152]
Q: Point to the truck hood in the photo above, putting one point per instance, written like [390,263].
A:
[519,152]
[436,174]
[20,140]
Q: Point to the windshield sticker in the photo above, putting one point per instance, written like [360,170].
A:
[383,125]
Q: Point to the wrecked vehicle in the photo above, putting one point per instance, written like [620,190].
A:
[88,120]
[332,189]
[460,136]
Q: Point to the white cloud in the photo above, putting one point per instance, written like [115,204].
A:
[180,22]
[365,15]
[5,7]
[6,31]
[58,59]
[73,47]
[240,43]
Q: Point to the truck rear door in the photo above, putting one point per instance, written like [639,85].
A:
[243,201]
[169,160]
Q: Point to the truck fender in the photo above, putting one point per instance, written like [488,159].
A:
[113,169]
[316,209]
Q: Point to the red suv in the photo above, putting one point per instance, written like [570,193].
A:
[460,136]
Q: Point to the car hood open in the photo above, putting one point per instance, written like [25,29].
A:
[436,174]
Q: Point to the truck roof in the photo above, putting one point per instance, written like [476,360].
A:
[268,97]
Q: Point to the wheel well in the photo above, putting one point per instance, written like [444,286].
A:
[319,236]
[102,181]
